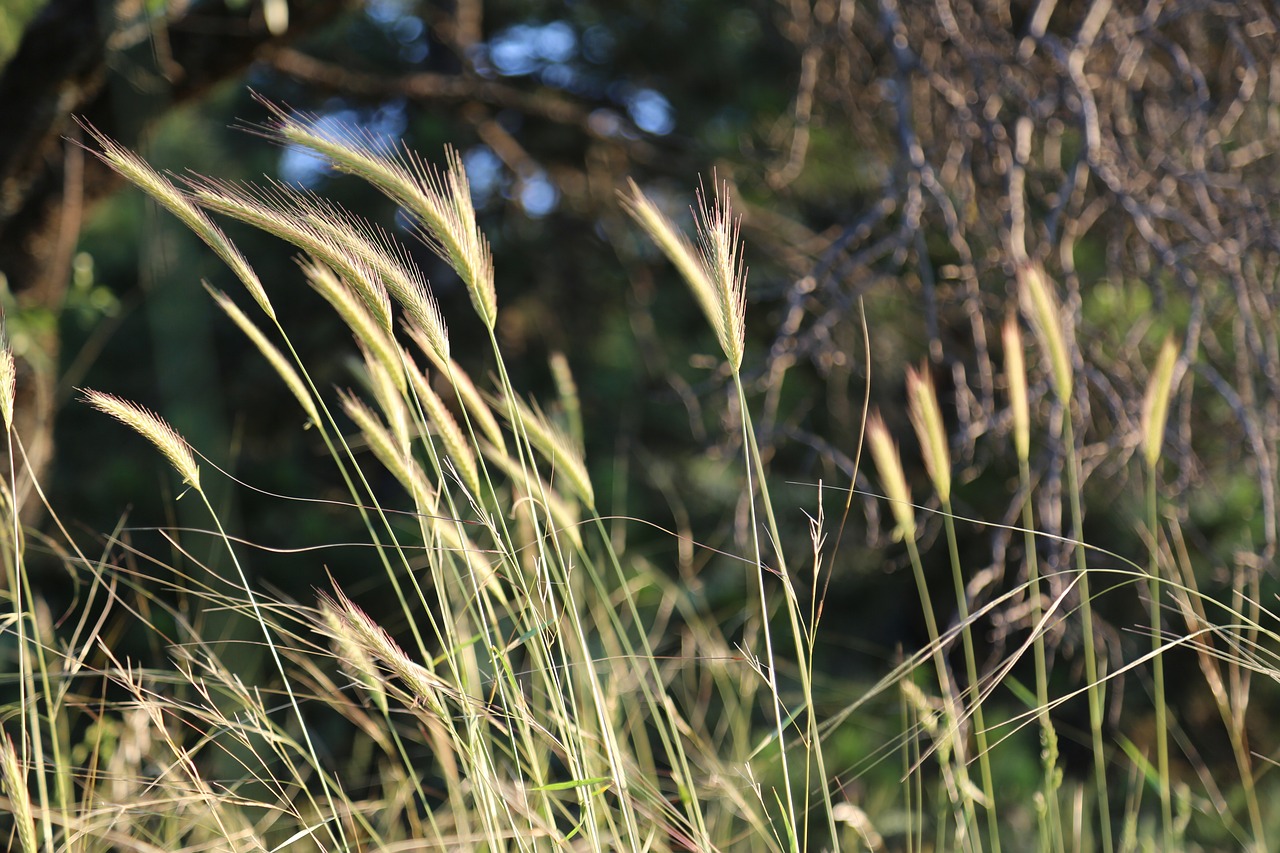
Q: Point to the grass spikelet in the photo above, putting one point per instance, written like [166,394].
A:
[306,223]
[722,261]
[557,448]
[353,657]
[388,399]
[151,427]
[355,313]
[681,253]
[441,201]
[1016,375]
[139,173]
[8,384]
[470,395]
[361,630]
[1155,403]
[1045,314]
[393,455]
[455,443]
[277,360]
[884,451]
[15,786]
[926,417]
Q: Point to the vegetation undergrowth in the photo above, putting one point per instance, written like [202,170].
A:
[516,690]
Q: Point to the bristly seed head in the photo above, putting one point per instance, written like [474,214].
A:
[1045,313]
[1155,404]
[1016,375]
[926,417]
[151,427]
[884,451]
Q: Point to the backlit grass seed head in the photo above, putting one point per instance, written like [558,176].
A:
[715,273]
[274,357]
[477,408]
[1016,375]
[8,384]
[139,173]
[557,448]
[14,780]
[356,625]
[1155,404]
[884,452]
[441,201]
[392,452]
[355,313]
[352,657]
[1044,312]
[718,231]
[926,417]
[455,443]
[151,427]
[305,222]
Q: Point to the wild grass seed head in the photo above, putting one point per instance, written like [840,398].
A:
[714,272]
[926,417]
[151,427]
[884,452]
[273,356]
[139,173]
[438,416]
[14,777]
[302,222]
[1016,375]
[1045,313]
[439,200]
[8,384]
[482,416]
[355,313]
[1155,403]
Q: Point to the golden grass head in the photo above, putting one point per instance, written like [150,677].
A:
[1015,370]
[718,237]
[926,417]
[138,172]
[151,427]
[1045,313]
[1155,404]
[273,356]
[14,779]
[8,384]
[884,452]
[715,272]
[440,200]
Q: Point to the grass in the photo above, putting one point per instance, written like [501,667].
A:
[517,692]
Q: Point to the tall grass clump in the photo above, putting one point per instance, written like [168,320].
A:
[505,677]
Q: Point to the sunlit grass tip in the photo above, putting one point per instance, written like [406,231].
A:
[1015,371]
[926,417]
[14,780]
[439,199]
[718,238]
[1045,313]
[884,452]
[151,427]
[714,271]
[557,448]
[1155,403]
[8,384]
[269,351]
[140,173]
